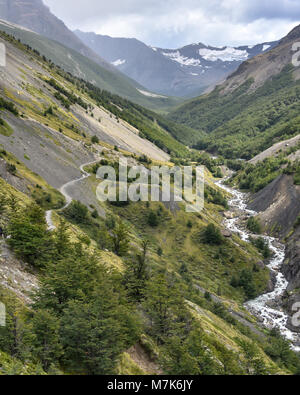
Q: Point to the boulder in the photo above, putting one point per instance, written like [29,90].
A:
[229,215]
[226,233]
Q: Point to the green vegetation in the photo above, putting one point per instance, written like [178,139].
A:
[254,225]
[5,129]
[256,177]
[262,245]
[9,106]
[246,282]
[212,235]
[242,123]
[53,52]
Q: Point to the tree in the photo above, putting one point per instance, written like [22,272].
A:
[104,328]
[253,361]
[12,334]
[153,219]
[189,356]
[45,344]
[246,281]
[165,306]
[73,277]
[77,212]
[62,240]
[136,274]
[120,238]
[212,235]
[95,140]
[254,225]
[29,237]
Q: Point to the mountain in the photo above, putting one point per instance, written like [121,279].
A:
[83,67]
[257,106]
[184,72]
[34,15]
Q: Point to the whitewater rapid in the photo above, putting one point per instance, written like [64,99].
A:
[265,307]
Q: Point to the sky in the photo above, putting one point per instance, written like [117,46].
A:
[174,23]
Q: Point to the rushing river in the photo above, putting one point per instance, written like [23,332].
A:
[266,307]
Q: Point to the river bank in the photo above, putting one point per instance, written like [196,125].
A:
[268,307]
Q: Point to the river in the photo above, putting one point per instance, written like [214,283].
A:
[266,307]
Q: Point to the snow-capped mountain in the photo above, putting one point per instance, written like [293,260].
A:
[185,72]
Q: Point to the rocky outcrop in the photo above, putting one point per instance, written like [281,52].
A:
[278,205]
[291,268]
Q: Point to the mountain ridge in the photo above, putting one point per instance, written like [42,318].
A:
[36,16]
[185,72]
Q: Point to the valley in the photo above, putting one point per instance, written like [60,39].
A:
[146,288]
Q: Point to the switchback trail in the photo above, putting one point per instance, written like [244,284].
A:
[63,190]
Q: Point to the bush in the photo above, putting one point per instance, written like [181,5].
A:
[262,246]
[95,140]
[11,169]
[254,225]
[153,219]
[212,235]
[49,111]
[77,212]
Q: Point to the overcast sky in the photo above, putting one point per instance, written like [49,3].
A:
[174,23]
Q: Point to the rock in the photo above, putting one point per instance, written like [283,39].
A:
[229,215]
[261,264]
[226,233]
[272,282]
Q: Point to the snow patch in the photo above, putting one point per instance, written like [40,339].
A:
[149,94]
[118,62]
[228,54]
[265,47]
[183,60]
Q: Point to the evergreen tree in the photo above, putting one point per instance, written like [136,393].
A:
[136,274]
[45,343]
[29,237]
[120,239]
[212,235]
[104,328]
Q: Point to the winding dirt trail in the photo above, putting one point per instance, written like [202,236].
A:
[63,190]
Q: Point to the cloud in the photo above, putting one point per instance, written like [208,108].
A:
[173,23]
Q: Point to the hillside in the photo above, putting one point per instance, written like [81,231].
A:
[82,67]
[256,107]
[149,282]
[35,16]
[184,72]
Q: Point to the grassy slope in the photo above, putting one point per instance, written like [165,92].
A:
[152,126]
[83,67]
[219,333]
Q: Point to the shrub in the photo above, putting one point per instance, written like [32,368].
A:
[95,140]
[153,219]
[11,169]
[254,225]
[77,211]
[212,235]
